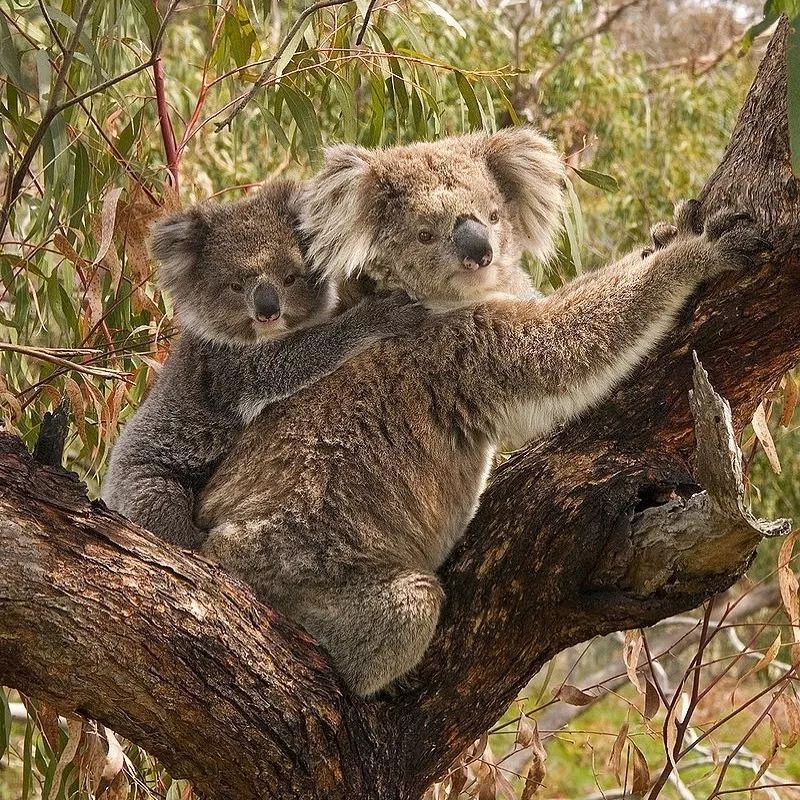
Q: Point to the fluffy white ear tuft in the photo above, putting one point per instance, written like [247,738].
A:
[531,176]
[176,243]
[334,213]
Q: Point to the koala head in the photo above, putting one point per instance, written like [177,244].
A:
[236,271]
[446,221]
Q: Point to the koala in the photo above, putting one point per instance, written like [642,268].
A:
[257,327]
[339,505]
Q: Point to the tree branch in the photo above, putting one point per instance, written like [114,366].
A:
[173,654]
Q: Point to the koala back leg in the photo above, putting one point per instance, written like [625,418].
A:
[378,630]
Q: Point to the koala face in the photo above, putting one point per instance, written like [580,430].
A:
[446,221]
[236,272]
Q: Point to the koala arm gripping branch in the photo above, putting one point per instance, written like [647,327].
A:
[279,370]
[555,358]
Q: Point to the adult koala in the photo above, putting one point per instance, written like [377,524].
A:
[339,505]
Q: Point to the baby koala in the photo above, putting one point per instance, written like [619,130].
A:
[257,327]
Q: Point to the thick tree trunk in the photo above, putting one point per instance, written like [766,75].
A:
[571,541]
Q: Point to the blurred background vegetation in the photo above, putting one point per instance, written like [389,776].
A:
[109,116]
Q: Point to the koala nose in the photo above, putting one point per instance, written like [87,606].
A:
[471,239]
[266,304]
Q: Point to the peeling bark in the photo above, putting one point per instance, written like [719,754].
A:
[570,542]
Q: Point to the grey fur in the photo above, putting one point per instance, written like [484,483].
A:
[340,505]
[226,367]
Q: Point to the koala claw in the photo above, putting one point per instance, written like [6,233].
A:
[724,221]
[737,238]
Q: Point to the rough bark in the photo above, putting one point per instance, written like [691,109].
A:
[97,616]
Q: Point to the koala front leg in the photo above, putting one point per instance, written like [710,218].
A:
[569,351]
[377,630]
[161,505]
[278,370]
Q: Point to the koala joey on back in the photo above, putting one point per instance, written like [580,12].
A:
[340,505]
[256,327]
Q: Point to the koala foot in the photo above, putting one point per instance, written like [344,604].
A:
[662,233]
[405,684]
[736,240]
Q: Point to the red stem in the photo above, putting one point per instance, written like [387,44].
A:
[167,132]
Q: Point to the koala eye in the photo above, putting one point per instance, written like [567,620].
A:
[289,279]
[425,236]
[237,287]
[494,216]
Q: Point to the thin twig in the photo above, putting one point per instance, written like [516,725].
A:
[52,110]
[360,37]
[43,354]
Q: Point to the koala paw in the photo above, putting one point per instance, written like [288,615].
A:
[736,240]
[662,233]
[689,218]
[394,314]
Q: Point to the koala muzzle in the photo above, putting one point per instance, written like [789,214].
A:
[471,239]
[266,305]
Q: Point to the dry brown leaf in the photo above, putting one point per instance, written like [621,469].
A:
[458,780]
[61,243]
[485,778]
[9,403]
[615,759]
[652,702]
[91,756]
[108,216]
[115,757]
[534,777]
[74,731]
[789,708]
[769,655]
[111,409]
[761,430]
[773,751]
[787,580]
[111,259]
[526,731]
[119,789]
[75,395]
[574,696]
[790,396]
[641,772]
[631,651]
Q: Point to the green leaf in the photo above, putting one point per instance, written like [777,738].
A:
[27,760]
[471,101]
[599,179]
[147,9]
[291,47]
[305,116]
[80,187]
[9,55]
[5,723]
[793,89]
[238,30]
[446,17]
[772,10]
[572,238]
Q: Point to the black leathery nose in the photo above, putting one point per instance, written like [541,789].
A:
[471,239]
[266,303]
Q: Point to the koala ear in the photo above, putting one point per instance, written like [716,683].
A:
[334,216]
[176,243]
[530,176]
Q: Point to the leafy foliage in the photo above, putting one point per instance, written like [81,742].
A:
[109,117]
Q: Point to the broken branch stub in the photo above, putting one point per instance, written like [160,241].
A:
[709,534]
